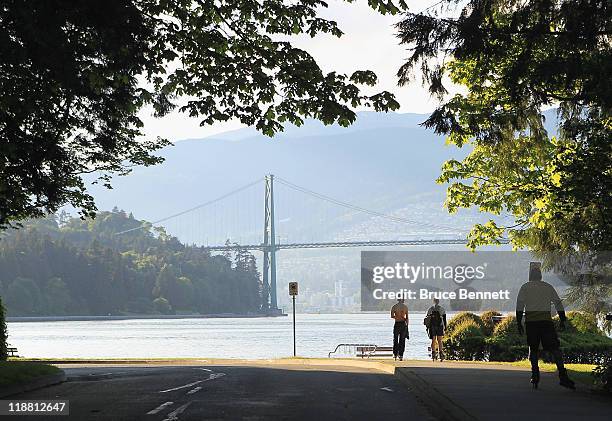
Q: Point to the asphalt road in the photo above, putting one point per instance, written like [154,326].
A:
[231,393]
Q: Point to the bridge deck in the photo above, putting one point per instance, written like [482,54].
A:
[264,247]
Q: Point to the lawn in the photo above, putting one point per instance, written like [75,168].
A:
[12,372]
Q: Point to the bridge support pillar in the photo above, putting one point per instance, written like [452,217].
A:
[269,242]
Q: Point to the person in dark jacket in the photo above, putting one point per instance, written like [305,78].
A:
[435,322]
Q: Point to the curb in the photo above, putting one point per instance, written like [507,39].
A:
[438,404]
[380,366]
[37,383]
[375,365]
[119,361]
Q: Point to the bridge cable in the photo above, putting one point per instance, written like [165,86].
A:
[360,209]
[210,202]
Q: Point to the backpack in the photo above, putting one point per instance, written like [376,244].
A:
[436,319]
[433,319]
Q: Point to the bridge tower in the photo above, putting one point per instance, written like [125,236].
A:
[269,247]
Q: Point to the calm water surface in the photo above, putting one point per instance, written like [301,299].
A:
[317,334]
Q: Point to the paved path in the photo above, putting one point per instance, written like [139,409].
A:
[279,392]
[463,391]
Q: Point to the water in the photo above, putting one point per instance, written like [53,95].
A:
[317,334]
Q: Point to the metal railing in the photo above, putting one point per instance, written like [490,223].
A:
[352,349]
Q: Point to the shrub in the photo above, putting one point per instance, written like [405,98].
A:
[462,317]
[578,347]
[3,334]
[501,351]
[506,344]
[466,342]
[582,322]
[584,347]
[470,337]
[603,375]
[488,321]
[507,329]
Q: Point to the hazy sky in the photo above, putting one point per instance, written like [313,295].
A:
[369,43]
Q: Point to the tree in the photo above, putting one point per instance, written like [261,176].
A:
[162,305]
[181,293]
[74,75]
[81,268]
[58,296]
[3,334]
[23,297]
[165,281]
[514,59]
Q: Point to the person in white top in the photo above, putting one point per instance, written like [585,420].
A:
[534,302]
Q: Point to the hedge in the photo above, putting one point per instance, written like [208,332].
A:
[470,337]
[603,375]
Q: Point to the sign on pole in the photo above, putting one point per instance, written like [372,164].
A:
[293,291]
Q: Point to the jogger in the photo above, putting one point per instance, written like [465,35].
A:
[534,302]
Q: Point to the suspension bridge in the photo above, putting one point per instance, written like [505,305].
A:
[272,243]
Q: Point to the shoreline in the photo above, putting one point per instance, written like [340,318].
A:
[25,319]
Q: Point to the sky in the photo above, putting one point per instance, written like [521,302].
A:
[369,42]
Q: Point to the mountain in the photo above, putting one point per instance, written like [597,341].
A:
[379,163]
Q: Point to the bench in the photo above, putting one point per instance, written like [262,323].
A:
[374,351]
[12,352]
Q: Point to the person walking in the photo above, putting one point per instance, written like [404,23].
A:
[435,322]
[399,312]
[534,303]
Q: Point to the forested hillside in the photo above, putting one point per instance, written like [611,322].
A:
[68,266]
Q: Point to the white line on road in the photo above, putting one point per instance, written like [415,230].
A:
[194,390]
[159,408]
[181,387]
[211,377]
[173,416]
[386,389]
[204,369]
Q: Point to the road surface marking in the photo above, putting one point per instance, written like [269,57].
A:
[204,369]
[173,416]
[211,377]
[386,389]
[194,390]
[181,387]
[159,408]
